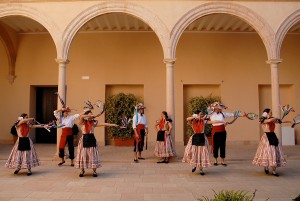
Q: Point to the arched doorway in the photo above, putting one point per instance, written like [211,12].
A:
[30,53]
[220,54]
[112,53]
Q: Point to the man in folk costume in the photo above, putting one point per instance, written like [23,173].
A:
[140,128]
[218,131]
[67,122]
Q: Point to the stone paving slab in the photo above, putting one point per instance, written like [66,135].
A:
[120,179]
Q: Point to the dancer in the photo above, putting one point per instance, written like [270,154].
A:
[140,127]
[23,154]
[196,151]
[164,147]
[218,131]
[88,153]
[269,152]
[66,121]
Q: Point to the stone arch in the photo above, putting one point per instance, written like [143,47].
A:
[285,26]
[112,7]
[24,11]
[258,23]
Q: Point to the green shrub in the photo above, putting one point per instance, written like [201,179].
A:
[200,103]
[116,106]
[226,195]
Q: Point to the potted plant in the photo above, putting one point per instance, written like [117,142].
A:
[201,103]
[117,106]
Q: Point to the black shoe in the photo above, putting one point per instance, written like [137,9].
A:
[29,173]
[224,164]
[160,161]
[141,158]
[202,173]
[59,164]
[136,160]
[215,164]
[194,169]
[16,171]
[266,171]
[95,174]
[275,174]
[166,161]
[72,165]
[81,173]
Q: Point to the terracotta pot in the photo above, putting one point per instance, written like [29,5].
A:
[123,142]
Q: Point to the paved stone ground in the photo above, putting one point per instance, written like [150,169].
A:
[121,179]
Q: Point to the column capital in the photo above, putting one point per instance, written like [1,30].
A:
[274,61]
[169,61]
[11,79]
[62,61]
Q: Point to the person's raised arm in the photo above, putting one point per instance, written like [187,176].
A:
[106,124]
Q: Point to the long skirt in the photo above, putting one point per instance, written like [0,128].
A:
[87,157]
[165,148]
[23,159]
[268,155]
[197,156]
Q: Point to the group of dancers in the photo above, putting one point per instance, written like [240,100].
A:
[269,153]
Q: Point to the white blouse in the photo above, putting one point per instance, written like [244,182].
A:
[220,116]
[141,120]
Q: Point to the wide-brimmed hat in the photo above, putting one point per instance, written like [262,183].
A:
[140,106]
[218,105]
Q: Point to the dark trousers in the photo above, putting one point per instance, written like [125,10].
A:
[219,143]
[138,146]
[70,141]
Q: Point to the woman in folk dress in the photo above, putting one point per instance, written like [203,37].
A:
[164,147]
[269,152]
[88,152]
[23,154]
[196,152]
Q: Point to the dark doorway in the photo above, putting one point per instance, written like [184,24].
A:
[46,103]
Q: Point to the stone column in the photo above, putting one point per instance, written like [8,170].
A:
[275,93]
[170,103]
[62,63]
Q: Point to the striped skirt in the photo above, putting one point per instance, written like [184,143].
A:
[87,157]
[268,155]
[197,156]
[165,149]
[23,159]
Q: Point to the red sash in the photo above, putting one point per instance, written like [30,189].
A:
[216,129]
[67,131]
[139,127]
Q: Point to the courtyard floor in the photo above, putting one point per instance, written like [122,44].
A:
[120,178]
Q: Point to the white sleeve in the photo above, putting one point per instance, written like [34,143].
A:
[56,114]
[75,116]
[227,114]
[134,121]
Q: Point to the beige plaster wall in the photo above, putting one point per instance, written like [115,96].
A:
[235,62]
